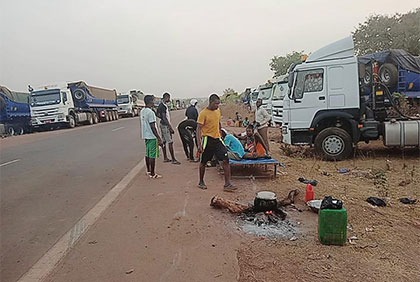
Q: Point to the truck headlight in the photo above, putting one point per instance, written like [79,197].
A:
[60,116]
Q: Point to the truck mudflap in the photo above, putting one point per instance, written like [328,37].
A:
[403,133]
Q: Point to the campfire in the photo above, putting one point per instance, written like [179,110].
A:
[265,217]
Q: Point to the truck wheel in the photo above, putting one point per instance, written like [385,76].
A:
[367,77]
[72,121]
[388,74]
[10,130]
[117,117]
[19,131]
[95,118]
[334,144]
[79,94]
[90,118]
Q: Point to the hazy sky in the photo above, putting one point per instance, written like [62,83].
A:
[189,48]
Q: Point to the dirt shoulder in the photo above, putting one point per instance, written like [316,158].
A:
[165,230]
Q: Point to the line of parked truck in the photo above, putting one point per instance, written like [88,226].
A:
[334,100]
[63,105]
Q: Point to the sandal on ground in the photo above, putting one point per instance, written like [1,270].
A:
[175,162]
[148,173]
[229,187]
[167,161]
[155,176]
[202,186]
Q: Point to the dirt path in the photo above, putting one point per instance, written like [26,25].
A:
[165,230]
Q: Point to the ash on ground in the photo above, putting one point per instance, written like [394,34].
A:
[282,229]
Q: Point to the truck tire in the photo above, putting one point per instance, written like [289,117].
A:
[72,121]
[367,77]
[388,74]
[334,144]
[90,118]
[95,118]
[19,131]
[117,117]
[79,94]
[10,130]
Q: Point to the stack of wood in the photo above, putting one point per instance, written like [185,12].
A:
[232,206]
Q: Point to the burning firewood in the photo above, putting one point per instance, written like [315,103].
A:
[232,206]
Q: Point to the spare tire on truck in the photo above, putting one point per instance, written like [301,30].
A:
[388,74]
[367,76]
[79,94]
[334,144]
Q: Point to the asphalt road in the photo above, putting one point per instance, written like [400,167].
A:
[50,180]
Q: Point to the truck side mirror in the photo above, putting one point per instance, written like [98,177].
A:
[64,97]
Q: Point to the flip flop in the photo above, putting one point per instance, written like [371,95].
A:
[148,173]
[202,186]
[176,162]
[167,161]
[156,176]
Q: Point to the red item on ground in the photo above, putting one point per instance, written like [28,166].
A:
[310,193]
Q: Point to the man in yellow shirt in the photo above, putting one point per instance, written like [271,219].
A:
[209,142]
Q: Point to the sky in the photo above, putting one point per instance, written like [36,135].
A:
[189,48]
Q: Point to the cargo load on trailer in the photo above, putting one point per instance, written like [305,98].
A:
[15,115]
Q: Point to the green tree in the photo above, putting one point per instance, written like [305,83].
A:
[379,32]
[229,94]
[280,64]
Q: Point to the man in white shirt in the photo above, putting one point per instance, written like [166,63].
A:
[262,118]
[150,135]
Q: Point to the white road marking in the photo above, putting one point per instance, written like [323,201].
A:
[118,128]
[9,162]
[46,264]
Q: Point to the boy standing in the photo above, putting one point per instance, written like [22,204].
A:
[150,136]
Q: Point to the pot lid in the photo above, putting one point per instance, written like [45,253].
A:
[266,195]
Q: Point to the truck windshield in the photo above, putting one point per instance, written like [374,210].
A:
[122,99]
[264,94]
[280,90]
[45,97]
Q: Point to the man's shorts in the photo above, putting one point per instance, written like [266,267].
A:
[213,147]
[152,148]
[166,134]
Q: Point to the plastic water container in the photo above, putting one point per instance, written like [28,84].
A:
[310,193]
[332,226]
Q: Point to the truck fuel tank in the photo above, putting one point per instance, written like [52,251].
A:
[402,133]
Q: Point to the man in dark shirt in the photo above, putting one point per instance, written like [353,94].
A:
[191,112]
[166,128]
[186,129]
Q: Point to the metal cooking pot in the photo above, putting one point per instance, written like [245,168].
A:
[265,201]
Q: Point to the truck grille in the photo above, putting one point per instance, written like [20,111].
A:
[40,113]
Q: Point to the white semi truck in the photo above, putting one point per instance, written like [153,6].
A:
[279,91]
[130,104]
[71,104]
[328,108]
[264,93]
